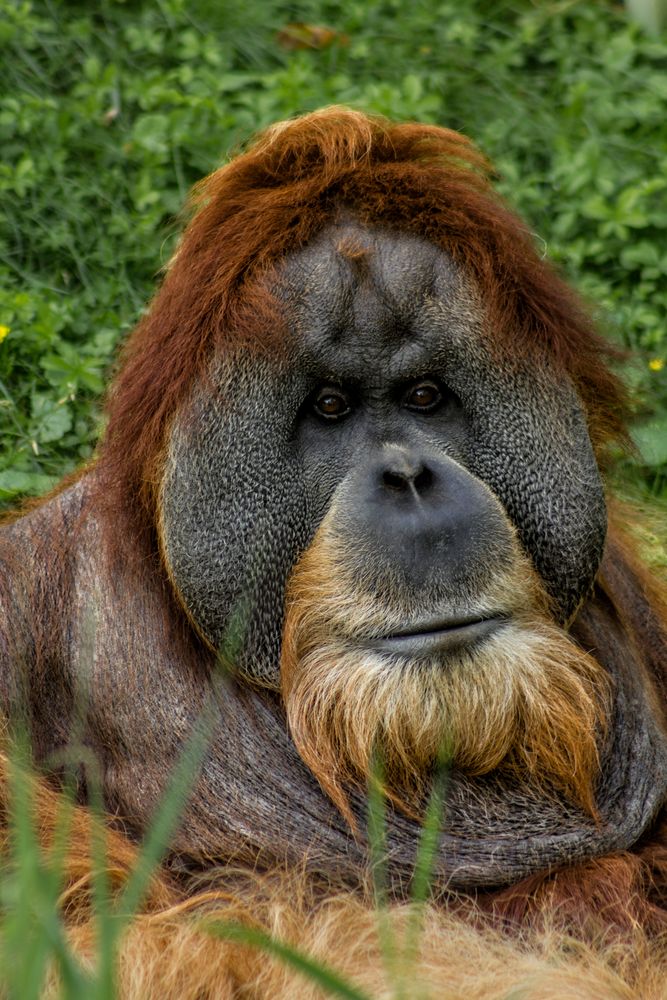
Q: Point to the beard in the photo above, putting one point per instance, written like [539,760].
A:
[524,700]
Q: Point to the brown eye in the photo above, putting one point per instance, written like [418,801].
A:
[331,404]
[423,397]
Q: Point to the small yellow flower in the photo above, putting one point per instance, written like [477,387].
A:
[655,364]
[4,330]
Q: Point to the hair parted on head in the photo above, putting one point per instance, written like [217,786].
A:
[291,181]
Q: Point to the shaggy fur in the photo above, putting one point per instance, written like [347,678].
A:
[167,951]
[537,706]
[273,199]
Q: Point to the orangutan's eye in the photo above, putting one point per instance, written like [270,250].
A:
[423,397]
[331,403]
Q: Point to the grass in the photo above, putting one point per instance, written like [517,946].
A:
[32,935]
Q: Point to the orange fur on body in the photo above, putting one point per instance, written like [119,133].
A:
[167,951]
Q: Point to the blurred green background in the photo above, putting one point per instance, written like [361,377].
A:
[110,111]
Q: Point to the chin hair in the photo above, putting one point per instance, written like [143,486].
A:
[525,700]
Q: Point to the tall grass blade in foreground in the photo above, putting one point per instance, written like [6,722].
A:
[317,972]
[401,961]
[31,932]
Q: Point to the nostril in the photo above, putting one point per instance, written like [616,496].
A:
[408,479]
[423,480]
[395,480]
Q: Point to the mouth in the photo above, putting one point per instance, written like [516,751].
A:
[442,636]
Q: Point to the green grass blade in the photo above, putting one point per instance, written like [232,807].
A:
[167,816]
[429,840]
[377,846]
[377,830]
[105,980]
[425,863]
[32,914]
[318,973]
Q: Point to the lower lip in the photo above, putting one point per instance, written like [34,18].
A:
[443,640]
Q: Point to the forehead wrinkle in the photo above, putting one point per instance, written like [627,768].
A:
[397,274]
[404,271]
[389,316]
[318,293]
[391,329]
[373,314]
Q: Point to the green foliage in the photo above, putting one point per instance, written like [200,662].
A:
[109,112]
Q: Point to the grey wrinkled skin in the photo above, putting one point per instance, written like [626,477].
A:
[92,645]
[254,457]
[247,476]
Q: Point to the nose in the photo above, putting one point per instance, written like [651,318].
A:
[405,473]
[422,511]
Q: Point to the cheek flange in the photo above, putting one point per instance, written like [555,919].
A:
[232,524]
[541,465]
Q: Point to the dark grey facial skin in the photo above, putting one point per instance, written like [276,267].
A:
[252,472]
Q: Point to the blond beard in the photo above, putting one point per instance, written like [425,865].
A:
[526,700]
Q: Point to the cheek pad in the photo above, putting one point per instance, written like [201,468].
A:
[529,442]
[237,508]
[233,522]
[531,446]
